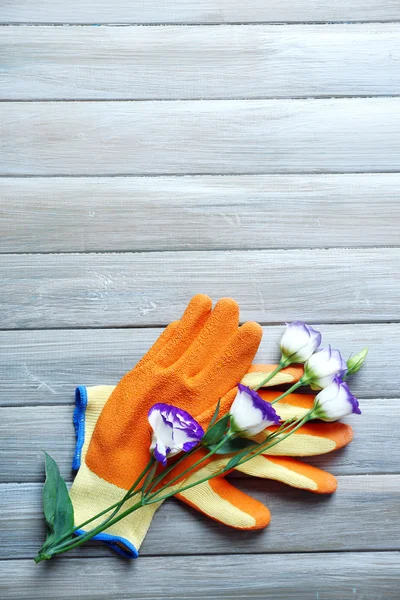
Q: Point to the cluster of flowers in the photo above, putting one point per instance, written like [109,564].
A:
[175,430]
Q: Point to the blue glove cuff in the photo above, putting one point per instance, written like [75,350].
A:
[117,543]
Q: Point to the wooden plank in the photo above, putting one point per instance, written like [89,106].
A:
[26,431]
[214,62]
[199,213]
[345,521]
[201,11]
[200,137]
[348,576]
[113,290]
[45,366]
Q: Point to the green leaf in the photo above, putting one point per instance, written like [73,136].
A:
[216,432]
[355,362]
[237,458]
[57,505]
[233,445]
[215,415]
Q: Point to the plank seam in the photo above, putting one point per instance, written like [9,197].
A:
[187,250]
[194,24]
[178,175]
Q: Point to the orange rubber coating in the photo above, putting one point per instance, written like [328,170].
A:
[195,362]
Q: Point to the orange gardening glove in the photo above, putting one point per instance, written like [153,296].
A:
[195,362]
[220,500]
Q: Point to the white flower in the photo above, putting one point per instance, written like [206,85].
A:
[322,367]
[335,401]
[250,414]
[174,430]
[298,342]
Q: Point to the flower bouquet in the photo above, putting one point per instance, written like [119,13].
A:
[191,411]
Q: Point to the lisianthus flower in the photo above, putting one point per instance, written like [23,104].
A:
[174,430]
[298,342]
[250,414]
[322,367]
[335,401]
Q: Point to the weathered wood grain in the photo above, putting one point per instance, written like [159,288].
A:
[201,212]
[326,523]
[45,366]
[199,62]
[26,431]
[113,290]
[200,137]
[331,576]
[201,11]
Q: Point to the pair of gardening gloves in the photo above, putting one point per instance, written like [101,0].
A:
[197,361]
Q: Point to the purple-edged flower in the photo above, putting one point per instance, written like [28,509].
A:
[298,342]
[250,414]
[335,401]
[322,367]
[174,430]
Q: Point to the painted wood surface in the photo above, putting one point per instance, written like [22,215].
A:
[365,496]
[114,290]
[197,11]
[199,62]
[327,576]
[40,367]
[213,212]
[200,137]
[26,431]
[291,133]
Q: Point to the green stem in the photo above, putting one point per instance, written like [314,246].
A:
[193,467]
[163,474]
[151,498]
[252,454]
[117,506]
[289,391]
[150,464]
[282,365]
[85,538]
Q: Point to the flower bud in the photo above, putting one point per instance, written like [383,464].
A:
[174,430]
[250,414]
[298,342]
[335,401]
[322,367]
[355,362]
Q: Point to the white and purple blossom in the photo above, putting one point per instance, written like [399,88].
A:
[250,414]
[335,401]
[174,430]
[298,342]
[322,367]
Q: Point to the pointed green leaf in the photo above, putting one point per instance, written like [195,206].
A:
[57,505]
[237,458]
[216,432]
[233,445]
[215,415]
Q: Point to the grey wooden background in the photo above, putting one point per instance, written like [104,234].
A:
[152,150]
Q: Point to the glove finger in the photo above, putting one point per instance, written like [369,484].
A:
[222,502]
[294,405]
[221,325]
[159,343]
[310,440]
[257,373]
[228,368]
[292,472]
[191,323]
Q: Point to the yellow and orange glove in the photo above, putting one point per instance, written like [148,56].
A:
[217,498]
[195,362]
